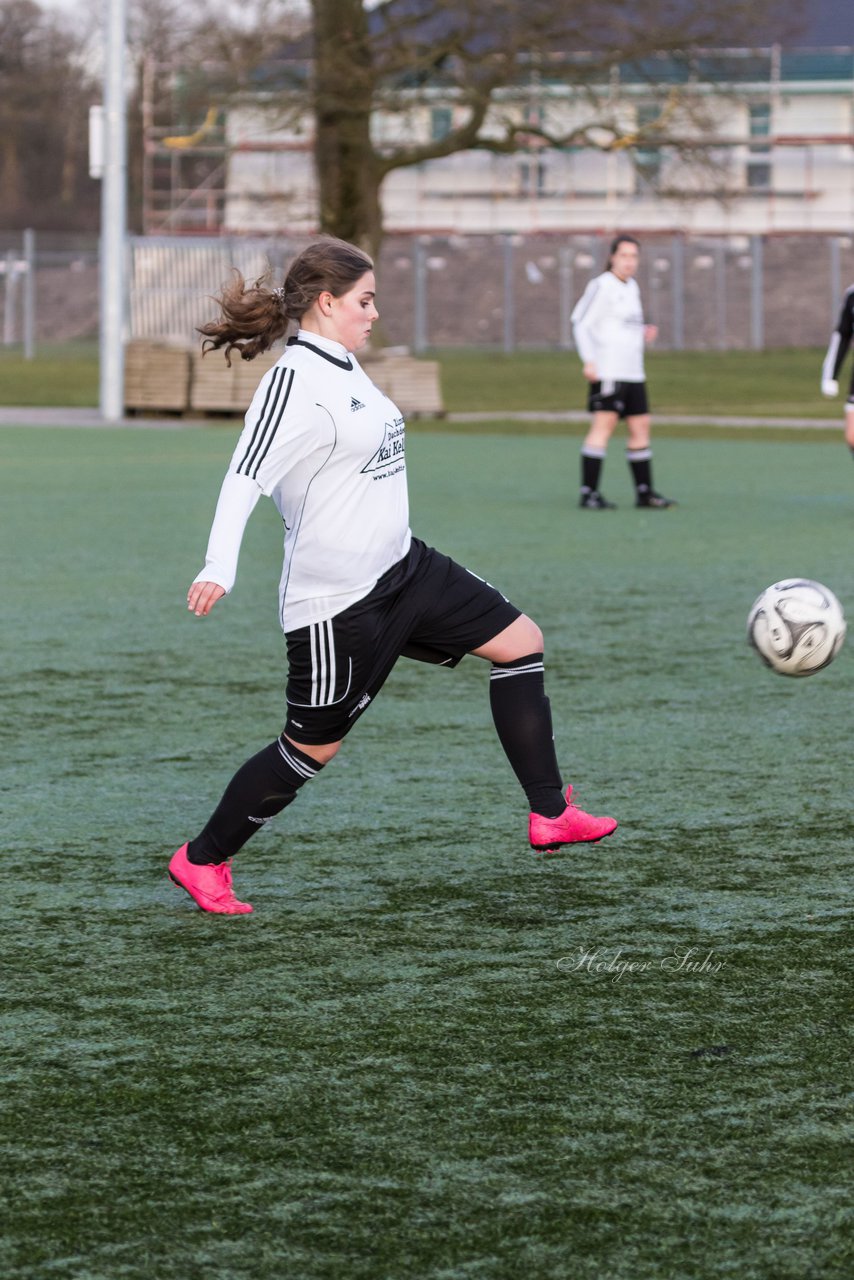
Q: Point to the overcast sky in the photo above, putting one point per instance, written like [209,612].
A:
[828,22]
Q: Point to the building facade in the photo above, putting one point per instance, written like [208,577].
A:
[755,143]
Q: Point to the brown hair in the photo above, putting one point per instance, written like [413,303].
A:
[255,316]
[615,244]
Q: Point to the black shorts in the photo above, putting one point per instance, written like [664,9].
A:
[426,607]
[626,399]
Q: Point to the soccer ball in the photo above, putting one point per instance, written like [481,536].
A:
[796,626]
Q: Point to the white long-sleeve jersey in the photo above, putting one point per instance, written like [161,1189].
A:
[328,447]
[607,325]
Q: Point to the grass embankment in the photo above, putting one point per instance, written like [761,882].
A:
[781,383]
[769,383]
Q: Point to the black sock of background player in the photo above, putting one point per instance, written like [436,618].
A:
[260,789]
[523,720]
[640,465]
[591,469]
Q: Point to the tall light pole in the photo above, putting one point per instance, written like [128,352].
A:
[113,214]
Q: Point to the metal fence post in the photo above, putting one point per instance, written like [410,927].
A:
[678,287]
[757,311]
[720,293]
[419,302]
[565,298]
[29,294]
[11,285]
[835,274]
[509,298]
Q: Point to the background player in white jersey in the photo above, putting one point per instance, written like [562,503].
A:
[357,591]
[838,348]
[610,334]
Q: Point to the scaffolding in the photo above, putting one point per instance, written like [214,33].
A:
[184,163]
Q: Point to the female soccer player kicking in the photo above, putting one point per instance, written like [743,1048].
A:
[357,590]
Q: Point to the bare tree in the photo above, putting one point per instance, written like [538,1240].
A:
[482,58]
[45,93]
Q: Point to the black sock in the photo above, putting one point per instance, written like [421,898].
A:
[523,720]
[260,789]
[591,468]
[640,465]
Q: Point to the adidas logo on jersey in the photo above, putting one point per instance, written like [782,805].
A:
[355,404]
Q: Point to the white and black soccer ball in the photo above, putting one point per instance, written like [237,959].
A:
[796,626]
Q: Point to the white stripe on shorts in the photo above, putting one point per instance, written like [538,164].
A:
[322,664]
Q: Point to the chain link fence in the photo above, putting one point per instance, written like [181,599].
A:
[505,292]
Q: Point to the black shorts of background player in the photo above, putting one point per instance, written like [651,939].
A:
[357,591]
[838,348]
[625,399]
[610,334]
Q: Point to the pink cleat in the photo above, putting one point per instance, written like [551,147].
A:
[209,886]
[573,826]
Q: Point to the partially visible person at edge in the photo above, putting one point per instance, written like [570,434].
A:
[840,345]
[357,590]
[610,334]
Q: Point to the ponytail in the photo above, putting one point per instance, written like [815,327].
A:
[254,317]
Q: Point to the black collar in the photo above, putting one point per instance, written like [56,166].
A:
[318,351]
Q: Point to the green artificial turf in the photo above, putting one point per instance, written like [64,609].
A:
[424,1056]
